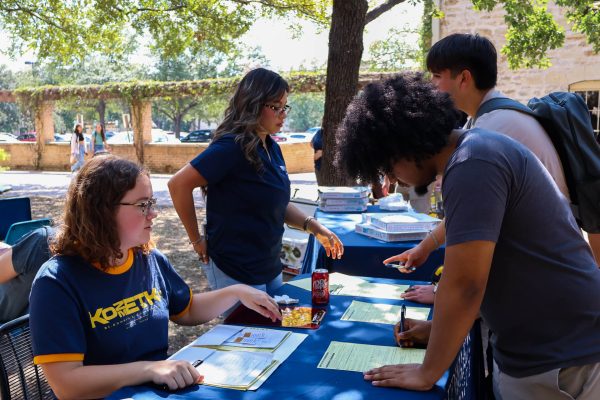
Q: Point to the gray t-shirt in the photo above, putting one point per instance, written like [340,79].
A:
[542,300]
[28,255]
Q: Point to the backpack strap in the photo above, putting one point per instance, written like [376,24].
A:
[501,103]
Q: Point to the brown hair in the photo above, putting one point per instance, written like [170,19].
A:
[89,227]
[256,88]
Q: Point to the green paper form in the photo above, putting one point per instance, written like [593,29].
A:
[363,357]
[381,313]
[346,285]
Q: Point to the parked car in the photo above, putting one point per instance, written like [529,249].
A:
[199,136]
[27,137]
[62,138]
[278,137]
[158,136]
[297,136]
[313,130]
[6,138]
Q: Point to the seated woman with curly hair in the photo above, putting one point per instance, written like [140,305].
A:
[100,308]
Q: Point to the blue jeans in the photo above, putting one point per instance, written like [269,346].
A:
[218,279]
[80,159]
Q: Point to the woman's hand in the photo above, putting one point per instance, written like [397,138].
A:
[175,374]
[414,257]
[258,301]
[201,249]
[330,242]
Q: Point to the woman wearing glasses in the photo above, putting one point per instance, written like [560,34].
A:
[100,308]
[244,178]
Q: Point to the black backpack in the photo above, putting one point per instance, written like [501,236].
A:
[566,119]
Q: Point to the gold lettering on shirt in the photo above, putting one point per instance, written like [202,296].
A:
[125,307]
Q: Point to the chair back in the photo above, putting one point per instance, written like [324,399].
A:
[20,229]
[13,209]
[19,377]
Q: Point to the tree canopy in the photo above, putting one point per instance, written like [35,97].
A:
[68,31]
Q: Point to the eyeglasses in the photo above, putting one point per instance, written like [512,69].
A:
[144,206]
[278,110]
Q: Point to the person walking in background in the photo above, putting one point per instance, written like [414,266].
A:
[247,190]
[99,140]
[77,148]
[100,308]
[317,144]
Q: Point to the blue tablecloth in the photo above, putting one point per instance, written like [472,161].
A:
[299,378]
[363,256]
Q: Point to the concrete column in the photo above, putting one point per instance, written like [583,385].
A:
[44,123]
[141,119]
[44,128]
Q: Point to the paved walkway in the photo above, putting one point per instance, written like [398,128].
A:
[39,183]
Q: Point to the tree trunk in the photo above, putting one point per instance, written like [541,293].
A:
[343,63]
[101,108]
[177,124]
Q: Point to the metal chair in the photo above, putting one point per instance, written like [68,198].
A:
[20,229]
[13,209]
[19,377]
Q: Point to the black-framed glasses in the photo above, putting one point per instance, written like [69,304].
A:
[278,110]
[144,206]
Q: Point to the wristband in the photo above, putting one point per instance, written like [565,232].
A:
[437,244]
[195,242]
[306,222]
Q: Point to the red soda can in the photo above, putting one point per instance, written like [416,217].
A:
[320,286]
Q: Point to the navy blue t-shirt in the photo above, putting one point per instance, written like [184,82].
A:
[542,299]
[80,313]
[245,209]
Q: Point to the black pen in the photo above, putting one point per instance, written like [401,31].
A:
[402,318]
[165,387]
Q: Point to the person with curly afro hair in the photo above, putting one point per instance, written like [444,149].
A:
[507,257]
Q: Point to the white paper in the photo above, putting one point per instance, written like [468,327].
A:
[191,354]
[234,368]
[217,335]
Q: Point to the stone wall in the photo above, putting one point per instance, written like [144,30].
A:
[159,158]
[572,63]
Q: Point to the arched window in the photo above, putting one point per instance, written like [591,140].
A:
[590,91]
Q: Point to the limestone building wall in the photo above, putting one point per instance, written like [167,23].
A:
[574,62]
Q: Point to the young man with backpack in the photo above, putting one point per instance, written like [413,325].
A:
[465,67]
[524,268]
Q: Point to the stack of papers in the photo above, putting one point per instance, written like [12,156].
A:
[346,285]
[396,227]
[343,199]
[254,352]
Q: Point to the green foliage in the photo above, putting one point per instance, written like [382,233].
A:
[307,110]
[585,17]
[3,157]
[398,51]
[532,31]
[67,31]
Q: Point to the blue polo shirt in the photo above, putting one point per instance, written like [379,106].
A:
[245,209]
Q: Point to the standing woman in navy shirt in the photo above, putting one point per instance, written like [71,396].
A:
[243,174]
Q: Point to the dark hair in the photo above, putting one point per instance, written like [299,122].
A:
[101,131]
[79,134]
[462,51]
[89,227]
[256,88]
[403,117]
